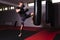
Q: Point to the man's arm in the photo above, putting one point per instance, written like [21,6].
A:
[18,10]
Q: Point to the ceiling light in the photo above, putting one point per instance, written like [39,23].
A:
[31,4]
[12,7]
[1,9]
[6,8]
[55,1]
[43,2]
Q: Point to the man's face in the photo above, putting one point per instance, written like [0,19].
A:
[20,4]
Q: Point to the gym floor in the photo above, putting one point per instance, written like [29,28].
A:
[13,34]
[29,33]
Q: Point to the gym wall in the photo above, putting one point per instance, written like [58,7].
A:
[10,17]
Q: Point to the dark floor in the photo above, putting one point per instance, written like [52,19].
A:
[13,34]
[57,37]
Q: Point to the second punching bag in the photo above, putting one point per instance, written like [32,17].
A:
[50,17]
[37,12]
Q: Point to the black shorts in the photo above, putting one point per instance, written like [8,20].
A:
[23,18]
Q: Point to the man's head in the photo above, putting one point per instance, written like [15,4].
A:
[20,4]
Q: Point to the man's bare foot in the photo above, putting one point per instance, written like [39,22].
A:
[32,14]
[20,35]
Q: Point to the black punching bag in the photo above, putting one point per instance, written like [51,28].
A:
[50,17]
[37,12]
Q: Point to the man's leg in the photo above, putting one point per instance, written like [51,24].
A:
[22,23]
[21,28]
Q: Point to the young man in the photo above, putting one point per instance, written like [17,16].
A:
[22,12]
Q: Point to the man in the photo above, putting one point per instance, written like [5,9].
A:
[22,12]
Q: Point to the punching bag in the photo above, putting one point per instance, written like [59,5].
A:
[37,12]
[50,17]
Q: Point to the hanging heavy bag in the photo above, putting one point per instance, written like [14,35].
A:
[37,12]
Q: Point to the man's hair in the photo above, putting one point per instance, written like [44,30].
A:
[20,2]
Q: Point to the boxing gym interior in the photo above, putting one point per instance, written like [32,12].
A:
[44,25]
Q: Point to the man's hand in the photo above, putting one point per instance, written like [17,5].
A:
[17,10]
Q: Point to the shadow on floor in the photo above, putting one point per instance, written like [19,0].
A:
[13,34]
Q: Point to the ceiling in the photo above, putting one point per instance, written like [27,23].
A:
[16,1]
[13,2]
